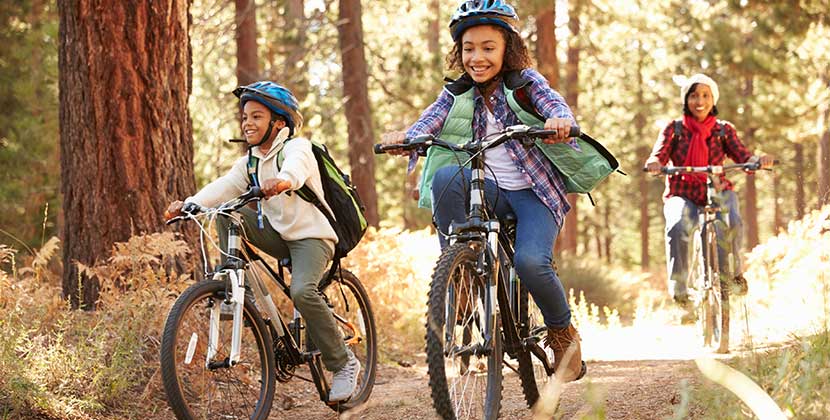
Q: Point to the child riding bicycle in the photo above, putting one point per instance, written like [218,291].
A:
[285,225]
[698,140]
[495,63]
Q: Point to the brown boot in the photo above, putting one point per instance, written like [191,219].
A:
[559,340]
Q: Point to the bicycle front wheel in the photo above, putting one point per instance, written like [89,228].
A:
[464,356]
[198,388]
[714,300]
[353,315]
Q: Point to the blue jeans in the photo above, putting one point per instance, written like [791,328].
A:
[536,232]
[681,219]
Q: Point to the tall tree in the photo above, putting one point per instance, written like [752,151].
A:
[750,218]
[358,110]
[546,43]
[247,65]
[823,154]
[294,40]
[126,135]
[571,229]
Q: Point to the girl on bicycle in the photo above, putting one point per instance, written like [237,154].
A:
[291,227]
[698,140]
[495,66]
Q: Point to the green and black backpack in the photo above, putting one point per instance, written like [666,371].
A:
[348,220]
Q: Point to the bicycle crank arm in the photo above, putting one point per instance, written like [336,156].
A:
[532,345]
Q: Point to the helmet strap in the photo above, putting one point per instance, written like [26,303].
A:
[267,132]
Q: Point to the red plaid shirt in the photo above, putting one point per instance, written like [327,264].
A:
[671,148]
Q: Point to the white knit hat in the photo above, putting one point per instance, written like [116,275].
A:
[686,83]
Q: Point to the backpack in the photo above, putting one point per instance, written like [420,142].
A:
[348,220]
[582,169]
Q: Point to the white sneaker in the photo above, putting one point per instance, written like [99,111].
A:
[344,381]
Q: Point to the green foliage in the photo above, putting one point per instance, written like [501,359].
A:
[29,178]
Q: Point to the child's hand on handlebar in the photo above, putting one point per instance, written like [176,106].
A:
[562,127]
[173,210]
[653,167]
[394,137]
[274,186]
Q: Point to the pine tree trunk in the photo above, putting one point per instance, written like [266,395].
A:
[750,218]
[606,218]
[777,222]
[800,200]
[126,134]
[823,154]
[640,127]
[546,44]
[571,228]
[294,40]
[247,65]
[358,111]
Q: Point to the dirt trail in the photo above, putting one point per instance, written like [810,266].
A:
[652,387]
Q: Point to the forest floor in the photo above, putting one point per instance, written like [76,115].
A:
[633,373]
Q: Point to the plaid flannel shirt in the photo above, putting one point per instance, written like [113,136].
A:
[668,148]
[545,180]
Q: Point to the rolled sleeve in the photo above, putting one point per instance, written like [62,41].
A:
[432,119]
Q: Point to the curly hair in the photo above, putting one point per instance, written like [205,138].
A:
[516,55]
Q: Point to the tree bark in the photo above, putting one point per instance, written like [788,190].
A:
[295,40]
[643,181]
[751,195]
[823,155]
[800,198]
[358,110]
[571,228]
[546,44]
[125,129]
[247,64]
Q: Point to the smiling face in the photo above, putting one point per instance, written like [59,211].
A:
[255,120]
[482,52]
[700,101]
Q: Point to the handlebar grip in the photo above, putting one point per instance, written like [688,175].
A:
[575,131]
[379,149]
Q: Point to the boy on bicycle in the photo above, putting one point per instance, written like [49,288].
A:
[291,226]
[494,61]
[698,140]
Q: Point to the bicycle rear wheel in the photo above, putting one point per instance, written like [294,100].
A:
[532,372]
[198,391]
[465,369]
[353,315]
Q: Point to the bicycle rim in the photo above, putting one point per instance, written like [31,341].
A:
[353,315]
[195,391]
[465,375]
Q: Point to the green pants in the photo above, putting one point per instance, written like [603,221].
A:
[309,260]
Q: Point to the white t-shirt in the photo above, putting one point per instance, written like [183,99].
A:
[499,161]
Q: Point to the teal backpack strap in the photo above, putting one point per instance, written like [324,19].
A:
[253,180]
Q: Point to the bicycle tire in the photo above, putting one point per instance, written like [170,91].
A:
[190,385]
[455,274]
[351,302]
[715,300]
[527,371]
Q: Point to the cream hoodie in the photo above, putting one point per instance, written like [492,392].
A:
[290,215]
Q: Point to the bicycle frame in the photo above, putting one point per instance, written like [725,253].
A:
[242,266]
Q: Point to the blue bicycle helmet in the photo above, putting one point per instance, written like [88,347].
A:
[482,12]
[277,98]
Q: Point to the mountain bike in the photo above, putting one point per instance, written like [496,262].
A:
[478,309]
[225,344]
[708,278]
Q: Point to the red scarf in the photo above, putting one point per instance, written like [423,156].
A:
[698,153]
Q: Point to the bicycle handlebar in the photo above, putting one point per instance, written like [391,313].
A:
[525,134]
[191,210]
[710,169]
